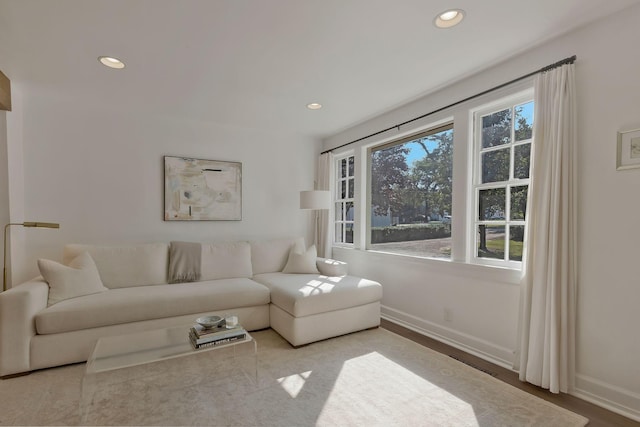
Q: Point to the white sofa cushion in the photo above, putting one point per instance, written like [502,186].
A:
[306,294]
[268,256]
[127,265]
[225,260]
[141,303]
[79,278]
[301,261]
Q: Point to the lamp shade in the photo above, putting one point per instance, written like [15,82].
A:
[315,199]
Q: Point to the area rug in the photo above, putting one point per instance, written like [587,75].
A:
[370,378]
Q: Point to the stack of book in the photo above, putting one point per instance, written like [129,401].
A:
[210,337]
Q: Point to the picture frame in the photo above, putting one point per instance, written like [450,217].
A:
[202,190]
[628,150]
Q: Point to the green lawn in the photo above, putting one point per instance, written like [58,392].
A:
[495,249]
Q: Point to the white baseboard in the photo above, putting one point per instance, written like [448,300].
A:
[481,348]
[615,399]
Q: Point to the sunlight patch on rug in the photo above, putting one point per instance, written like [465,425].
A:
[293,384]
[384,388]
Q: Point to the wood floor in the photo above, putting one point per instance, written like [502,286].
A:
[598,417]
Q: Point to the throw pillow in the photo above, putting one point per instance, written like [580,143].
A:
[302,262]
[79,278]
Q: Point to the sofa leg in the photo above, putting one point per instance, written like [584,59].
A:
[20,374]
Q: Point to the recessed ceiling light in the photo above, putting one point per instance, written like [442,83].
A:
[449,18]
[314,106]
[111,62]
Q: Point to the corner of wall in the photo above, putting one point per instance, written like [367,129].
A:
[4,174]
[15,181]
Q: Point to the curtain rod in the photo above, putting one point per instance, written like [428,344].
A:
[569,60]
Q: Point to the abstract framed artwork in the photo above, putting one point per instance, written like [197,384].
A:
[202,190]
[628,152]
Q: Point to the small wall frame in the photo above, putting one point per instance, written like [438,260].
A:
[202,190]
[628,152]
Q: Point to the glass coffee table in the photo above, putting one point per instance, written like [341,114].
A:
[145,372]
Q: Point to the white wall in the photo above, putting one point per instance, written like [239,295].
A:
[98,171]
[484,302]
[4,176]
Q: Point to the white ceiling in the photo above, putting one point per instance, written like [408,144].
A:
[257,63]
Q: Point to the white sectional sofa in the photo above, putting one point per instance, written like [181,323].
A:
[245,279]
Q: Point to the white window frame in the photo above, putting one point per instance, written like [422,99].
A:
[477,185]
[339,202]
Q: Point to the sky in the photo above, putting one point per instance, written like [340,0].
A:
[416,152]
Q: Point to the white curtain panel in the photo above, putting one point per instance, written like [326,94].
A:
[548,302]
[323,180]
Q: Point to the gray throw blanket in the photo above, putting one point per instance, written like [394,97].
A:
[184,262]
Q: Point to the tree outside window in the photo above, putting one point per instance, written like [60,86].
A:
[411,194]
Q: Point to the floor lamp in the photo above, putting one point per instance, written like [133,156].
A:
[24,224]
[315,200]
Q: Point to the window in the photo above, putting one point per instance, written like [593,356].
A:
[411,194]
[503,140]
[344,200]
[407,192]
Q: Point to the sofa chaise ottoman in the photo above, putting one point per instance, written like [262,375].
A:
[308,305]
